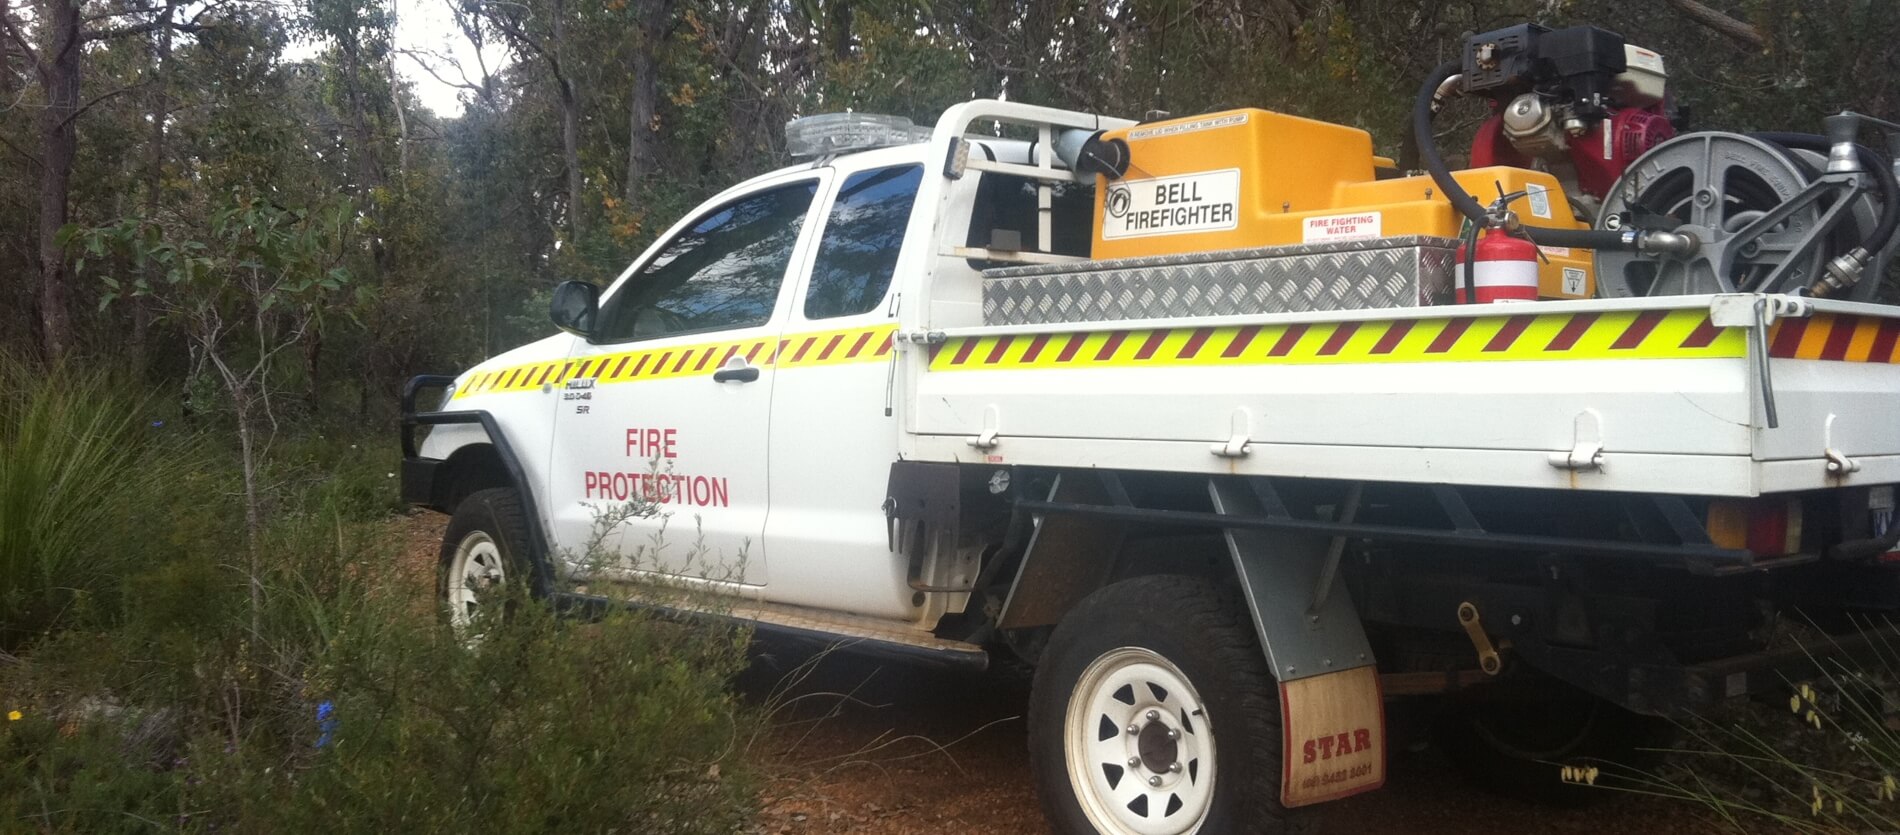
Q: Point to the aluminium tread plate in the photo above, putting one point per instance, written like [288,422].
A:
[1393,272]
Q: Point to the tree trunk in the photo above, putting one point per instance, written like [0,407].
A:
[402,119]
[641,141]
[571,156]
[570,120]
[59,144]
[253,516]
[154,179]
[841,17]
[7,81]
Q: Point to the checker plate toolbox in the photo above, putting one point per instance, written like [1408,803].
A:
[1348,275]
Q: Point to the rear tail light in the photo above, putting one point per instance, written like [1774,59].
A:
[1768,526]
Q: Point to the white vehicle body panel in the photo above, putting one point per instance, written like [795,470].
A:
[807,450]
[833,437]
[694,446]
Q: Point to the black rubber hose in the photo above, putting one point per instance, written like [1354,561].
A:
[1876,167]
[1428,146]
[1582,238]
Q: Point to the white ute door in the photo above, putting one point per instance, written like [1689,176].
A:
[670,400]
[832,440]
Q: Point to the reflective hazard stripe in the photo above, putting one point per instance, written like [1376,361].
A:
[1837,338]
[1655,334]
[1649,334]
[804,350]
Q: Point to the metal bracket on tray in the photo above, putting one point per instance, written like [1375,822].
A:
[1756,312]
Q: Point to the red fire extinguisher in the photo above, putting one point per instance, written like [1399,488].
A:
[1506,269]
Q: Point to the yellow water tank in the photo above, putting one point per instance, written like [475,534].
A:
[1251,178]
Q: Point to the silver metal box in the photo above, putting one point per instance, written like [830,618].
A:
[1351,275]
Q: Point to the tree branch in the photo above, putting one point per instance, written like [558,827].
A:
[1723,24]
[22,152]
[190,26]
[19,39]
[142,28]
[416,55]
[102,97]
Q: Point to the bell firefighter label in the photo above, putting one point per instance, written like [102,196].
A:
[1208,201]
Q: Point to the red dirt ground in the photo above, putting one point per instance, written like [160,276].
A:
[859,747]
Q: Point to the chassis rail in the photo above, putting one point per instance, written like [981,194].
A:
[1692,551]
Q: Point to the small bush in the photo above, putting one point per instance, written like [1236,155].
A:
[1825,761]
[79,464]
[352,709]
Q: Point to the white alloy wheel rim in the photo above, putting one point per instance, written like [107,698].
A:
[1139,746]
[474,572]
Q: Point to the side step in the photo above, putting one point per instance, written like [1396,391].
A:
[856,634]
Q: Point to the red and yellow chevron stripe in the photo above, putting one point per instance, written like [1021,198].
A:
[1561,336]
[1648,334]
[1837,338]
[834,347]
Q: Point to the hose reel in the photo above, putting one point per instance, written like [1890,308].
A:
[1702,213]
[1768,218]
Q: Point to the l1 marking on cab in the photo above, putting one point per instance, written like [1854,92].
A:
[1207,201]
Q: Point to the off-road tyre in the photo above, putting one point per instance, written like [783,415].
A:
[492,516]
[1202,632]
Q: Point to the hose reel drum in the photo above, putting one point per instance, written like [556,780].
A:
[1768,218]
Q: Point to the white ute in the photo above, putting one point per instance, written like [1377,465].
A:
[887,399]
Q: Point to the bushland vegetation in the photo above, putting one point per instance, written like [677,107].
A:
[229,231]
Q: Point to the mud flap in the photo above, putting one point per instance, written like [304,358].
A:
[1333,717]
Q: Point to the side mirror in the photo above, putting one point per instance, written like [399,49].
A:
[575,306]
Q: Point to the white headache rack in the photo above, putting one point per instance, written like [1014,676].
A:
[956,132]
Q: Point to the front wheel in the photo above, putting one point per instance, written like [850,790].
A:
[484,557]
[1152,713]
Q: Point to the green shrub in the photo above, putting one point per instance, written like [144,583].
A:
[181,717]
[79,466]
[1825,761]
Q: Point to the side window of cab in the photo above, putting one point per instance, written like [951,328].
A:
[862,236]
[722,272]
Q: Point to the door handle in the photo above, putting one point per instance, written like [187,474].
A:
[736,371]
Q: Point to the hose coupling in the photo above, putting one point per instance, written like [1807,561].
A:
[1842,272]
[1657,242]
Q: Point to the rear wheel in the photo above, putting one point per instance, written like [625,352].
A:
[1152,713]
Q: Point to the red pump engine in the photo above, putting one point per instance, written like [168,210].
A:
[1579,102]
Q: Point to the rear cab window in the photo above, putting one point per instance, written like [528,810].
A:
[1005,215]
[863,234]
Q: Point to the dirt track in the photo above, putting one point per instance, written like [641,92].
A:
[926,752]
[860,747]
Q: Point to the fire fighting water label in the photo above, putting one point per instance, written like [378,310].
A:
[1358,226]
[1207,201]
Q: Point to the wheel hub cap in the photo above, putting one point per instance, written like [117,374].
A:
[474,572]
[1139,746]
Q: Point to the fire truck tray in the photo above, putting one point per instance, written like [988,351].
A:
[1349,275]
